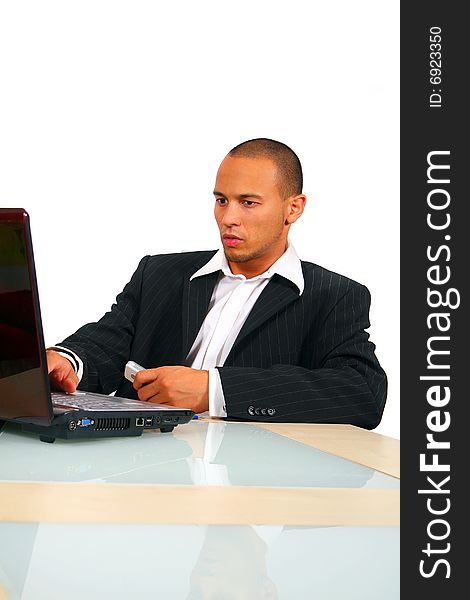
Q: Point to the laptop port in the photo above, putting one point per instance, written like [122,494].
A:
[140,421]
[149,422]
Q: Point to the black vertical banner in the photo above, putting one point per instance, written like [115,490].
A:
[435,360]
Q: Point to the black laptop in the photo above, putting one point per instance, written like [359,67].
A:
[25,395]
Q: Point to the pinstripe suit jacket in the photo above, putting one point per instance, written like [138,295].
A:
[306,358]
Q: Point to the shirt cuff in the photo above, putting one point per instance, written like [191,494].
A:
[216,395]
[75,360]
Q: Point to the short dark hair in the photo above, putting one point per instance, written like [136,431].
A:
[285,159]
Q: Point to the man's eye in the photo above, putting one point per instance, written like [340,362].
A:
[221,201]
[249,203]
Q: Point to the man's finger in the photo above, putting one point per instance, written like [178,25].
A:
[66,383]
[145,377]
[147,392]
[61,372]
[65,378]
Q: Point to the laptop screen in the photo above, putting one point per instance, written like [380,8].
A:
[23,389]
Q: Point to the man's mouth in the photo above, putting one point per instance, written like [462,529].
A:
[231,240]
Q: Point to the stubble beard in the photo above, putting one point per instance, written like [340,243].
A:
[238,257]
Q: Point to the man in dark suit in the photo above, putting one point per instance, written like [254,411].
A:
[249,332]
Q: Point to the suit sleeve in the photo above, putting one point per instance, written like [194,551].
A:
[105,346]
[343,384]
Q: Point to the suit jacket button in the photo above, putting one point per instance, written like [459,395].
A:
[271,411]
[263,411]
[251,410]
[257,411]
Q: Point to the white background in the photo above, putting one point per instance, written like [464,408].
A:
[114,116]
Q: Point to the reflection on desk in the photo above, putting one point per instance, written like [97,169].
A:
[212,511]
[201,453]
[172,562]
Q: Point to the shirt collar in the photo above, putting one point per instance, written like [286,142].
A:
[288,266]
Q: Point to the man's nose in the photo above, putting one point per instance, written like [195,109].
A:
[231,215]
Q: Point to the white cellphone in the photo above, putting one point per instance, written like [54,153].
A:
[131,370]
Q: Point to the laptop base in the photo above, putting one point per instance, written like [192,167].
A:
[79,425]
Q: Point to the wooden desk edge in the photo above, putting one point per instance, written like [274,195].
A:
[231,505]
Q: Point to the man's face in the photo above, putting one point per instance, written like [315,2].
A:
[250,211]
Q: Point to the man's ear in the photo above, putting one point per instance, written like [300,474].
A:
[296,205]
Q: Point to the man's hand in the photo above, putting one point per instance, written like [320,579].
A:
[61,373]
[179,386]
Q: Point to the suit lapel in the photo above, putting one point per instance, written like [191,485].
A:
[275,296]
[196,297]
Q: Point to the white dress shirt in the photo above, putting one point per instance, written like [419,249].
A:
[232,300]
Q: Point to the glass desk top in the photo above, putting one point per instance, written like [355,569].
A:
[199,453]
[193,562]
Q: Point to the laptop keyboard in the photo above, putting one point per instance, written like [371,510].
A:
[100,402]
